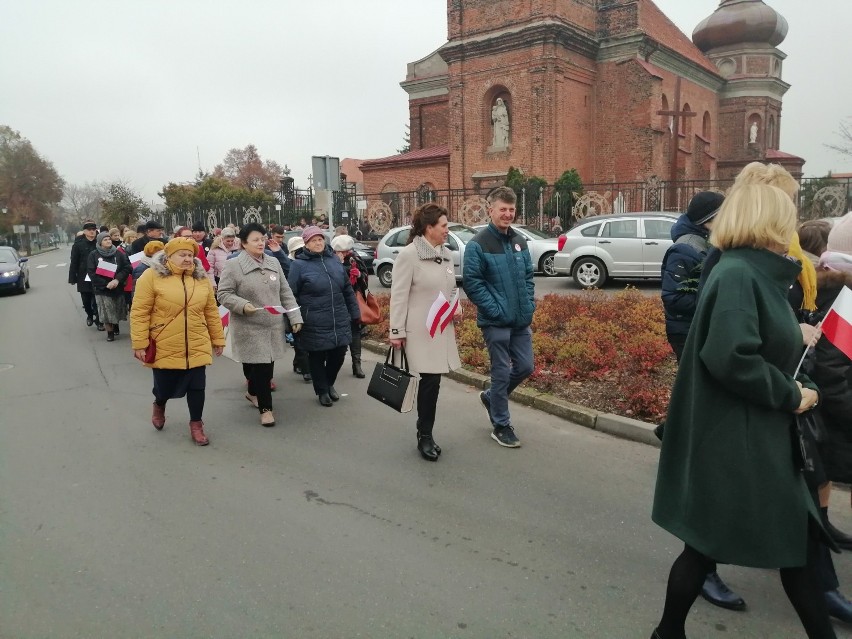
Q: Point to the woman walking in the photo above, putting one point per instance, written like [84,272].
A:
[174,307]
[300,357]
[343,246]
[249,282]
[422,273]
[330,310]
[728,430]
[223,247]
[108,269]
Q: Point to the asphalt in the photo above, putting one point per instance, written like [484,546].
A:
[328,525]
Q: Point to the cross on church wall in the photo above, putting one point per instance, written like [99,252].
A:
[677,117]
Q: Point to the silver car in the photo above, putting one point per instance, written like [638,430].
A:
[630,245]
[543,248]
[396,239]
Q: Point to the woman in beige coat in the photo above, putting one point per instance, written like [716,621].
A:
[423,272]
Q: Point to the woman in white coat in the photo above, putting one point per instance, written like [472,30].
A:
[422,273]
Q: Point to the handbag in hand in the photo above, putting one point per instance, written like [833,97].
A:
[370,313]
[392,385]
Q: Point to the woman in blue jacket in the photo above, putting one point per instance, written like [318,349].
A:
[329,310]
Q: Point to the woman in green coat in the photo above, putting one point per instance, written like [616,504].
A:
[727,484]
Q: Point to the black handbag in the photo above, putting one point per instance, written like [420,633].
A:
[393,385]
[803,460]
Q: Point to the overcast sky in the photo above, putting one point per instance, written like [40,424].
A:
[129,89]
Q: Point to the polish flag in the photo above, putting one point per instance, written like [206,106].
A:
[448,316]
[837,325]
[225,316]
[136,258]
[107,269]
[441,313]
[280,310]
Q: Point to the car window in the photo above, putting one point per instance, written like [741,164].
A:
[621,229]
[464,233]
[451,242]
[400,239]
[658,229]
[535,234]
[591,230]
[8,257]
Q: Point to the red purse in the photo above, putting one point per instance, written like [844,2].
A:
[370,313]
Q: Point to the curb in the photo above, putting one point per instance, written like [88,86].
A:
[615,425]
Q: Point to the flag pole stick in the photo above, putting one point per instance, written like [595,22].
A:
[805,354]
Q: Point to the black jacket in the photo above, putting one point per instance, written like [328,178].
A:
[681,270]
[79,263]
[99,282]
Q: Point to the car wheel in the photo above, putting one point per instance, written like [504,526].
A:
[22,289]
[28,281]
[546,266]
[590,272]
[385,275]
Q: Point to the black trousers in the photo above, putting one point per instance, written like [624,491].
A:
[259,376]
[325,365]
[89,305]
[427,401]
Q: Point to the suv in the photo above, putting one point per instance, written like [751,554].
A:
[396,239]
[629,245]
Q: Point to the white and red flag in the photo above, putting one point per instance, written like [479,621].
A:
[837,325]
[136,258]
[441,313]
[225,316]
[107,269]
[280,310]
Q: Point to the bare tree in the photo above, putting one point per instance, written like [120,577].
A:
[81,202]
[845,135]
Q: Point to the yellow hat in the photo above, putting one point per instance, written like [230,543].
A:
[152,247]
[180,243]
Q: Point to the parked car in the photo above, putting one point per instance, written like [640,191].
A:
[396,239]
[630,245]
[14,270]
[542,247]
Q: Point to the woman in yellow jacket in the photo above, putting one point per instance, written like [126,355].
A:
[175,307]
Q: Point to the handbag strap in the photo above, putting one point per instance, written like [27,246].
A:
[178,314]
[391,356]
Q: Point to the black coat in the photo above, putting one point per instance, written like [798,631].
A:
[99,282]
[79,264]
[326,299]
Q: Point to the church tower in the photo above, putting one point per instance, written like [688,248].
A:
[741,39]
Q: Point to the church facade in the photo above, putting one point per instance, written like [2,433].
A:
[550,85]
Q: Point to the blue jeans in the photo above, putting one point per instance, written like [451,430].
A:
[511,355]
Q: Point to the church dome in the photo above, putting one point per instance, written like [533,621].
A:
[740,22]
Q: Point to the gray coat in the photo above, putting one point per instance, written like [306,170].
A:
[258,338]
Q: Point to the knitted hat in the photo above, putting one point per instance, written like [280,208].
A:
[179,243]
[343,243]
[294,244]
[311,231]
[704,206]
[840,237]
[155,246]
[151,225]
[100,237]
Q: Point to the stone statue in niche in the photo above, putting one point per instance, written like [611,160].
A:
[500,120]
[752,133]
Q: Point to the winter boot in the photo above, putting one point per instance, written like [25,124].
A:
[196,431]
[158,417]
[355,349]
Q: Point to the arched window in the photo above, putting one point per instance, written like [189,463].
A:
[706,127]
[686,124]
[771,142]
[497,118]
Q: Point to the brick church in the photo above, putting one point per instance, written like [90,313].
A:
[549,85]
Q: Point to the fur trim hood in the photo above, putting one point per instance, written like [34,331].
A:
[158,263]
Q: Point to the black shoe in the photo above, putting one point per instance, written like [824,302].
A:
[307,377]
[426,446]
[659,430]
[843,540]
[838,606]
[116,331]
[101,327]
[110,336]
[505,436]
[89,321]
[717,593]
[483,397]
[356,370]
[333,394]
[325,400]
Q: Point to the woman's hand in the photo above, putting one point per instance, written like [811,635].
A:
[140,355]
[398,343]
[273,246]
[112,284]
[249,309]
[809,399]
[810,334]
[217,350]
[295,328]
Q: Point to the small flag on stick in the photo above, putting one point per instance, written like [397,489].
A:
[225,316]
[136,258]
[837,325]
[107,269]
[280,310]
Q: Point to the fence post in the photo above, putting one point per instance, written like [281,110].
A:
[524,205]
[540,207]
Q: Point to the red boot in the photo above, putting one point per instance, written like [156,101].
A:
[196,431]
[158,418]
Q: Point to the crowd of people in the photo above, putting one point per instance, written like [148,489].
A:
[744,290]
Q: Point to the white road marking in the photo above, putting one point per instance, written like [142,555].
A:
[42,266]
[62,264]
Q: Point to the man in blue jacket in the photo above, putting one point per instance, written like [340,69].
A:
[498,278]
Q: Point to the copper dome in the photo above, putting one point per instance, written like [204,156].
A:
[739,22]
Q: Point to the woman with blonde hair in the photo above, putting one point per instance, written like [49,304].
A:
[727,480]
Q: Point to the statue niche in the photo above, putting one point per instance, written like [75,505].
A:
[500,126]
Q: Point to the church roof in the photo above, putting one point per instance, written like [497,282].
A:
[739,22]
[659,27]
[440,152]
[774,154]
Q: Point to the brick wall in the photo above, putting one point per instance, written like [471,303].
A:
[468,17]
[406,177]
[429,122]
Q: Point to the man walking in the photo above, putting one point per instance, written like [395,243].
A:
[153,231]
[498,278]
[78,274]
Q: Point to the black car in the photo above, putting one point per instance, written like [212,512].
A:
[14,271]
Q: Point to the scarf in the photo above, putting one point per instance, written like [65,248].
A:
[427,252]
[104,252]
[807,278]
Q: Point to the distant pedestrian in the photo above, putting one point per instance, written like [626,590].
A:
[300,357]
[498,278]
[175,307]
[423,271]
[344,247]
[78,271]
[150,250]
[199,234]
[153,231]
[223,247]
[109,289]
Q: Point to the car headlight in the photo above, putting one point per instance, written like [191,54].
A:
[10,273]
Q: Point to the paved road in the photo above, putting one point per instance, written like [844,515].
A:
[326,526]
